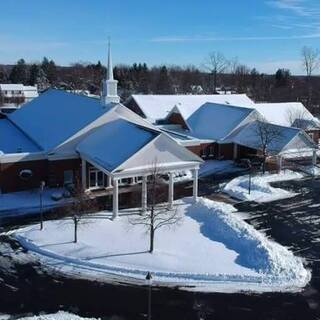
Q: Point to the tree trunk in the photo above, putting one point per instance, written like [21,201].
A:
[75,230]
[215,81]
[264,164]
[151,229]
[151,239]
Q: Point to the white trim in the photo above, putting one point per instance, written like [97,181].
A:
[22,157]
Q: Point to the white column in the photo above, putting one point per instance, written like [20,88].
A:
[195,184]
[171,190]
[144,194]
[84,174]
[314,157]
[235,151]
[115,199]
[280,162]
[109,181]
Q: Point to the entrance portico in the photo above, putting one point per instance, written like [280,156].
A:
[108,160]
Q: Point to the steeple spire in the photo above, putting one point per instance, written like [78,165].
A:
[110,67]
[109,85]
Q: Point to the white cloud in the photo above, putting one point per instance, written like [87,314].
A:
[199,38]
[299,7]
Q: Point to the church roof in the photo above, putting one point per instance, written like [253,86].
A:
[157,107]
[55,116]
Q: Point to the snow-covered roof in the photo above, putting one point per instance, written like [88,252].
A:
[115,142]
[284,113]
[30,91]
[55,116]
[13,140]
[11,87]
[216,121]
[285,138]
[156,107]
[121,146]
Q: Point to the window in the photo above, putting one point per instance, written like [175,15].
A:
[68,177]
[96,178]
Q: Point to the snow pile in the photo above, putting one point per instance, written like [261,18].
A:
[217,167]
[211,249]
[261,191]
[60,315]
[276,263]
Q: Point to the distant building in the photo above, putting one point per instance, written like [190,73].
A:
[17,93]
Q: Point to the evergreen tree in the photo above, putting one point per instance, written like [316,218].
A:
[33,75]
[164,82]
[282,77]
[19,72]
[50,69]
[3,75]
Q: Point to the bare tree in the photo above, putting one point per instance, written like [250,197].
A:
[268,134]
[310,62]
[296,116]
[158,214]
[216,63]
[81,205]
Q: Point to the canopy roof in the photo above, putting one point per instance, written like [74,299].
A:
[122,148]
[115,142]
[283,138]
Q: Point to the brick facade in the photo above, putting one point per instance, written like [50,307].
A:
[52,172]
[10,180]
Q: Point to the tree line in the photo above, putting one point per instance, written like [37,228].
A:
[216,74]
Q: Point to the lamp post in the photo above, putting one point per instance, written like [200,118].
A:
[149,283]
[42,184]
[250,173]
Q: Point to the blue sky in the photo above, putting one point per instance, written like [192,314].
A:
[266,34]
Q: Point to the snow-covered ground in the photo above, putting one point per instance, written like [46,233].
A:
[218,167]
[261,190]
[25,202]
[211,249]
[61,315]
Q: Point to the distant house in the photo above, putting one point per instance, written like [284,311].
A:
[17,93]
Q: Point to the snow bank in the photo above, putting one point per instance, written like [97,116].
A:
[276,263]
[61,315]
[261,191]
[212,249]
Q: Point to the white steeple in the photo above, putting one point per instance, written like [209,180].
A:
[109,85]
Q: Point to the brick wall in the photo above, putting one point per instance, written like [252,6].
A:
[52,172]
[10,180]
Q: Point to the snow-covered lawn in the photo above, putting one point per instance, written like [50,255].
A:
[261,190]
[61,315]
[212,249]
[218,167]
[24,202]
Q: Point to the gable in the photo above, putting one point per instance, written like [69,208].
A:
[115,142]
[161,151]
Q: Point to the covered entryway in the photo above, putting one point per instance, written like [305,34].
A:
[131,155]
